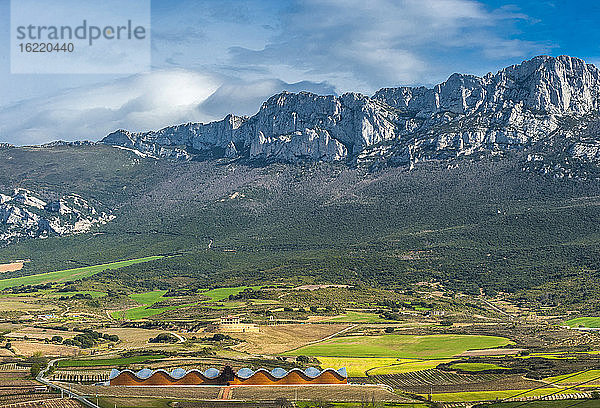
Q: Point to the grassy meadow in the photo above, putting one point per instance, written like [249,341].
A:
[589,322]
[71,274]
[116,362]
[401,346]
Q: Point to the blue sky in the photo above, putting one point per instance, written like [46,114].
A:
[210,58]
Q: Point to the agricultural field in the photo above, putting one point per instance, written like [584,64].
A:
[338,393]
[11,267]
[548,404]
[219,294]
[282,338]
[589,322]
[17,388]
[24,304]
[37,333]
[474,367]
[358,367]
[492,395]
[111,362]
[409,366]
[591,378]
[358,317]
[134,402]
[439,381]
[401,346]
[148,299]
[29,348]
[71,274]
[362,404]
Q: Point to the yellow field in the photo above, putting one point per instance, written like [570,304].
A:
[29,348]
[23,304]
[356,366]
[408,367]
[39,334]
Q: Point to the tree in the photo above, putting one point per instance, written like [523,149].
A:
[35,369]
[282,403]
[303,359]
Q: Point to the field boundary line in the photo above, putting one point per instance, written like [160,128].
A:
[324,338]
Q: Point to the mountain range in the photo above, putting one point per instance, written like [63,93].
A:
[480,183]
[546,106]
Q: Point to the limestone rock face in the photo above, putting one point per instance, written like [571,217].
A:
[23,215]
[517,107]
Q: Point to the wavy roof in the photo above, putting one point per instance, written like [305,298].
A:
[243,373]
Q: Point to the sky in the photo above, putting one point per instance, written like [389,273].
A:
[214,57]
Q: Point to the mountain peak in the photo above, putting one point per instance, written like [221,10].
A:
[514,108]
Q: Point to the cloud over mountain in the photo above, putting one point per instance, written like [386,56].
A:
[140,102]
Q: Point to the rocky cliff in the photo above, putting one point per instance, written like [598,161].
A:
[536,105]
[24,215]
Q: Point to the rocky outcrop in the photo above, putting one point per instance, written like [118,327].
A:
[516,107]
[22,215]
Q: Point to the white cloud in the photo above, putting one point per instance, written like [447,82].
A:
[244,98]
[362,45]
[140,102]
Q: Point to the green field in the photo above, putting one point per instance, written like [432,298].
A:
[401,346]
[141,312]
[216,295]
[358,317]
[150,298]
[109,361]
[591,322]
[576,379]
[476,366]
[71,274]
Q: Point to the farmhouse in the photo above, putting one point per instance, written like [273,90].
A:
[233,324]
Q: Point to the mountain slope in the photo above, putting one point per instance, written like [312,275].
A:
[22,215]
[483,183]
[483,223]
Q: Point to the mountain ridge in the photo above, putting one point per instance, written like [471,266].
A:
[517,107]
